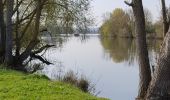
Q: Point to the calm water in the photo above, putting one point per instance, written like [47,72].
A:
[111,64]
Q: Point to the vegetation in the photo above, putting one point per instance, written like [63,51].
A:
[22,21]
[16,85]
[21,24]
[159,29]
[121,23]
[73,79]
[162,24]
[117,25]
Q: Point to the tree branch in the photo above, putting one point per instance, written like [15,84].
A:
[129,4]
[40,58]
[28,16]
[17,6]
[42,48]
[26,9]
[26,27]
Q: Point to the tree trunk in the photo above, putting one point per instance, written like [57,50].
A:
[1,16]
[9,32]
[164,16]
[18,45]
[144,66]
[2,32]
[160,85]
[34,40]
[159,88]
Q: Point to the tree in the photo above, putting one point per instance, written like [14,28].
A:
[164,16]
[9,32]
[121,23]
[158,25]
[118,24]
[107,29]
[144,66]
[64,14]
[159,85]
[2,32]
[20,32]
[148,22]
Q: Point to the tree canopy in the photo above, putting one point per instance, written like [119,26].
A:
[22,21]
[121,23]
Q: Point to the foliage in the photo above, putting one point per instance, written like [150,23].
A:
[148,21]
[64,14]
[21,30]
[121,23]
[159,28]
[117,24]
[107,29]
[15,85]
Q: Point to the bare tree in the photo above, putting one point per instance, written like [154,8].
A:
[144,66]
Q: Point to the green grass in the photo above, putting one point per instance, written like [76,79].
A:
[19,86]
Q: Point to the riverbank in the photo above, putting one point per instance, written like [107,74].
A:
[17,85]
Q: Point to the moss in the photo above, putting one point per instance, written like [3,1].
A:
[19,86]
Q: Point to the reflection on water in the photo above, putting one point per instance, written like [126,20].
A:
[119,50]
[124,49]
[110,63]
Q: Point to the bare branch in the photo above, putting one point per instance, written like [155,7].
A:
[129,4]
[26,9]
[28,16]
[4,3]
[26,27]
[40,58]
[18,5]
[43,48]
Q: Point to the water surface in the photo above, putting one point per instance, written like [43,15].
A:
[109,63]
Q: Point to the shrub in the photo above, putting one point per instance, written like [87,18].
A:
[83,84]
[73,79]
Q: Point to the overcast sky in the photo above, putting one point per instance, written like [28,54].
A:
[99,7]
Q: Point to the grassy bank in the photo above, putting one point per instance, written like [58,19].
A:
[18,86]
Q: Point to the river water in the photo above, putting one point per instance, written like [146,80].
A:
[109,63]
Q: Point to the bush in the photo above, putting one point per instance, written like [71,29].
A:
[83,84]
[70,77]
[73,79]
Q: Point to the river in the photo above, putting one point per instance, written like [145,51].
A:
[109,63]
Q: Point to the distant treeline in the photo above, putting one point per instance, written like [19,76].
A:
[121,23]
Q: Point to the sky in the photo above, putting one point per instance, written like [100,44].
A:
[100,7]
